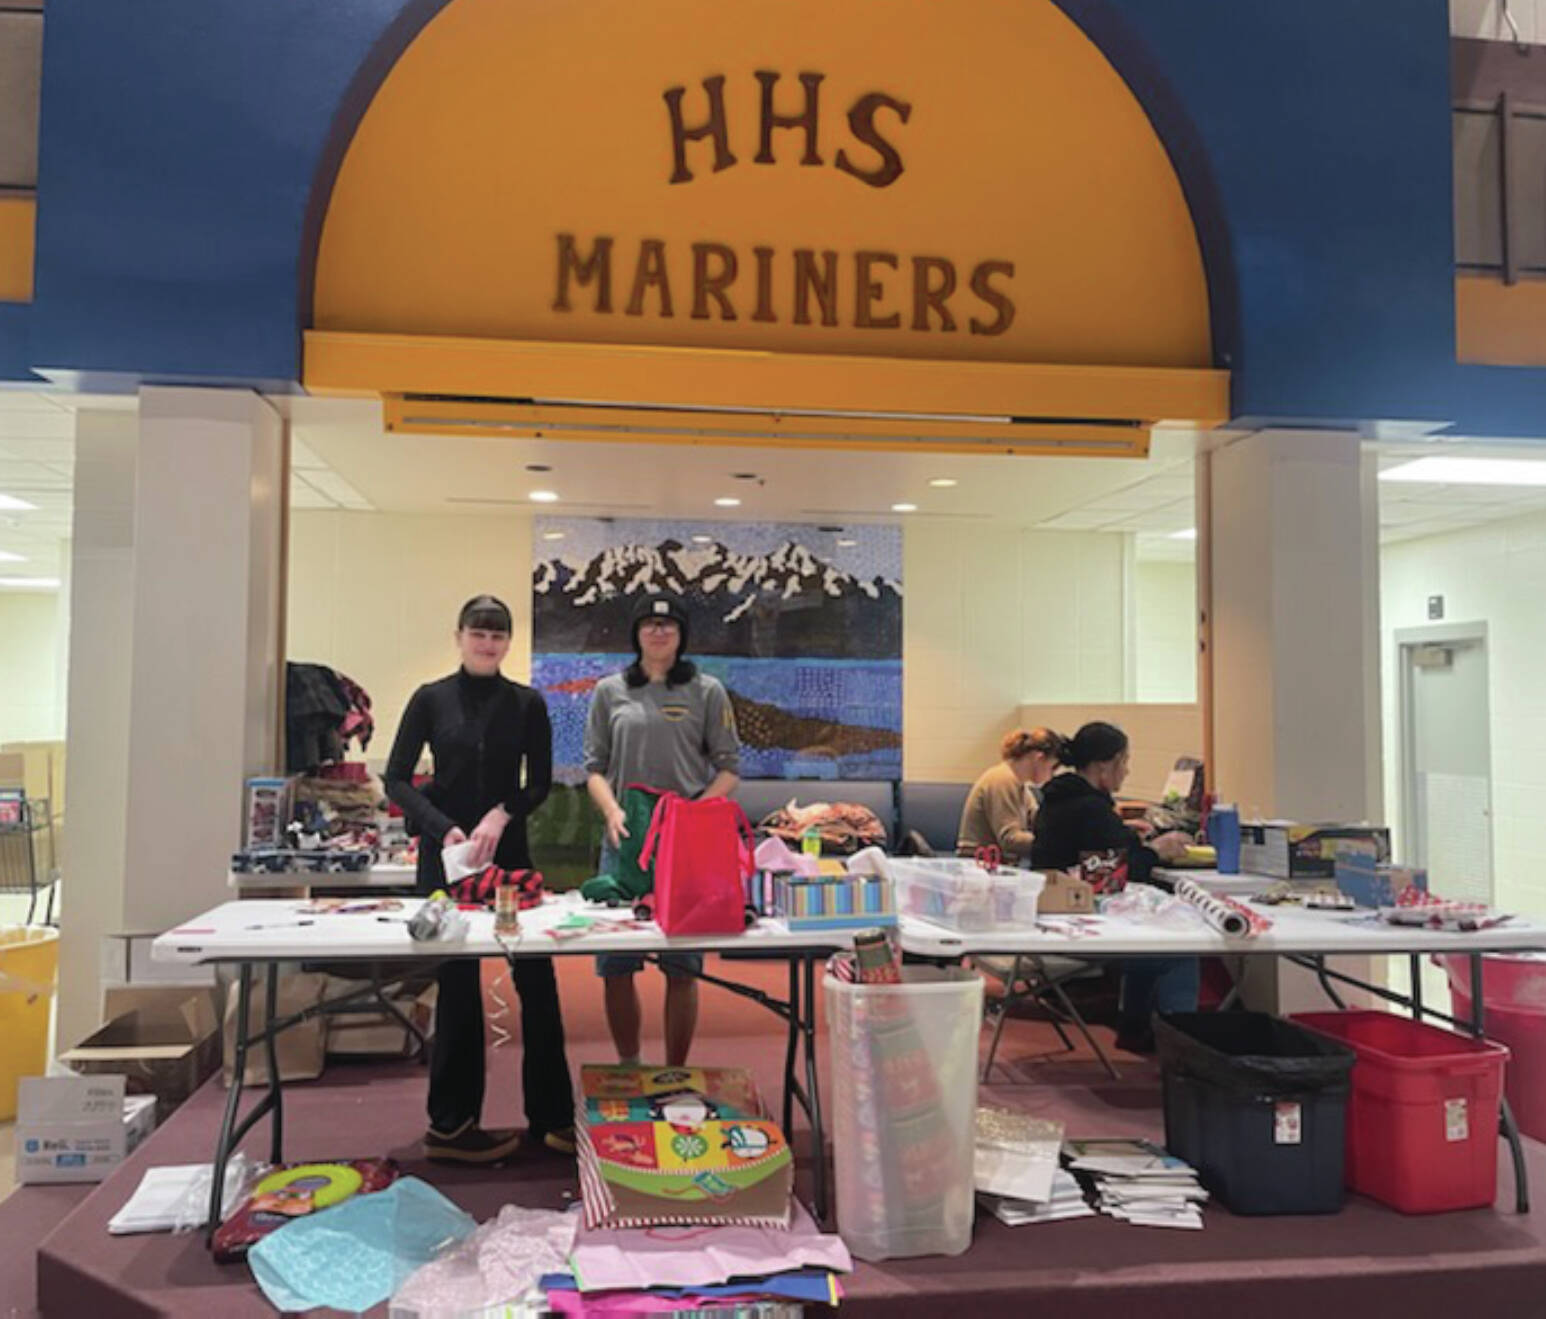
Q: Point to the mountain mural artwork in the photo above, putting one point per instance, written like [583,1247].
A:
[802,624]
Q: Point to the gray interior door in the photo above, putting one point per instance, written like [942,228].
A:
[1448,770]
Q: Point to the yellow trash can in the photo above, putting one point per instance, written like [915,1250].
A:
[29,968]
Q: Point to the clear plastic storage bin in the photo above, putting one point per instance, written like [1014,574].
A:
[960,895]
[904,1100]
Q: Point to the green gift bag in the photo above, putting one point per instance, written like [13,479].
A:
[628,880]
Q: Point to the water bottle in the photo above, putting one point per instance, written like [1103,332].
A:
[810,842]
[1224,830]
[430,920]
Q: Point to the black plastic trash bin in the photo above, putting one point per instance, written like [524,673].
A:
[1258,1106]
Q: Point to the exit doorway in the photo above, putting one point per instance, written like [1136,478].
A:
[1446,758]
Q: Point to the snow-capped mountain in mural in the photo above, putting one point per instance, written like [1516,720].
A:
[788,602]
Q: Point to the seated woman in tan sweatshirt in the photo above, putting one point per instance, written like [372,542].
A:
[1000,806]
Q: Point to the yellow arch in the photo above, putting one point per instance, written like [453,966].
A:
[508,123]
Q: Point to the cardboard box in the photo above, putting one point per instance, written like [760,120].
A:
[1361,877]
[165,1051]
[374,1033]
[77,1128]
[1281,849]
[270,807]
[301,1050]
[126,960]
[1065,895]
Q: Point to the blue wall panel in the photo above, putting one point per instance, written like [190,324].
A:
[187,145]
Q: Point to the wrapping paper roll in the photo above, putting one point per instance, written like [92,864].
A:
[1226,915]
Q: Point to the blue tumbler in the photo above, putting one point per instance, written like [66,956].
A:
[1224,830]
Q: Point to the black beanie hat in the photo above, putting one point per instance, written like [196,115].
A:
[658,604]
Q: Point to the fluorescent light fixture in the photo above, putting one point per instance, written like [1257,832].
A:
[1446,470]
[7,557]
[943,482]
[703,540]
[11,504]
[1189,534]
[904,508]
[29,583]
[543,497]
[726,501]
[846,543]
[552,535]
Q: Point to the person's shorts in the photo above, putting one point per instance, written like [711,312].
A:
[627,964]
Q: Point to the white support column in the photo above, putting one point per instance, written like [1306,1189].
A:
[180,647]
[100,602]
[1295,657]
[206,662]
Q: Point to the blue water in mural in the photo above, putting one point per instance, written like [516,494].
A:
[804,718]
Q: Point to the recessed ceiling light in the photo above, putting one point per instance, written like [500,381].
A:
[1469,471]
[552,535]
[30,583]
[7,557]
[16,505]
[904,508]
[538,467]
[943,482]
[1189,534]
[543,497]
[725,501]
[846,543]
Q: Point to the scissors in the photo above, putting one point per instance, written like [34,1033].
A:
[989,858]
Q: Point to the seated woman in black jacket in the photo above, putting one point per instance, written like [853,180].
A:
[1077,818]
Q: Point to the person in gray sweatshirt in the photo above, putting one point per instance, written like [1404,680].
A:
[663,724]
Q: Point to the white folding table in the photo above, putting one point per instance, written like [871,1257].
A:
[266,932]
[1302,936]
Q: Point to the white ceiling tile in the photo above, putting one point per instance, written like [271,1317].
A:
[50,425]
[1083,520]
[303,458]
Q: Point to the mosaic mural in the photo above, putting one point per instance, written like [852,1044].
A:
[803,627]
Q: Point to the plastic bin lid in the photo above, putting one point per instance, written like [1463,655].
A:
[1249,1054]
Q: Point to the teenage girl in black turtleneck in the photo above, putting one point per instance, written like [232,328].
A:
[481,728]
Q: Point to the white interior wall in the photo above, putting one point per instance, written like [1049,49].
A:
[989,624]
[30,708]
[1165,616]
[375,596]
[1495,573]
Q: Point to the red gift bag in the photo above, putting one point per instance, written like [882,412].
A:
[701,854]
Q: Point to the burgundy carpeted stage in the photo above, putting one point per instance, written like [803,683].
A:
[1366,1261]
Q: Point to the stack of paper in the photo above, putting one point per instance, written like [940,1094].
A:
[1016,1154]
[177,1197]
[1064,1200]
[1139,1182]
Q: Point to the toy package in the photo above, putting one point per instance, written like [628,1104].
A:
[679,1146]
[294,1190]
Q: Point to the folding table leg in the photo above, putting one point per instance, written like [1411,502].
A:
[813,1086]
[1507,1127]
[233,1097]
[791,1050]
[275,1083]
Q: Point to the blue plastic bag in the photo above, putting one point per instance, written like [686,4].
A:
[355,1255]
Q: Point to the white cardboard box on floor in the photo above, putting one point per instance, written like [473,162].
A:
[77,1128]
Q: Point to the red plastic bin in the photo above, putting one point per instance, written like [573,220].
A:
[1515,986]
[1422,1121]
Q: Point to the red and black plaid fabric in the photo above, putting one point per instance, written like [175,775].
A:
[478,890]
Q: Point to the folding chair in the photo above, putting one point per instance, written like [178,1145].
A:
[1034,979]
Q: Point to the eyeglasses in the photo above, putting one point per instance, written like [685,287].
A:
[660,624]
